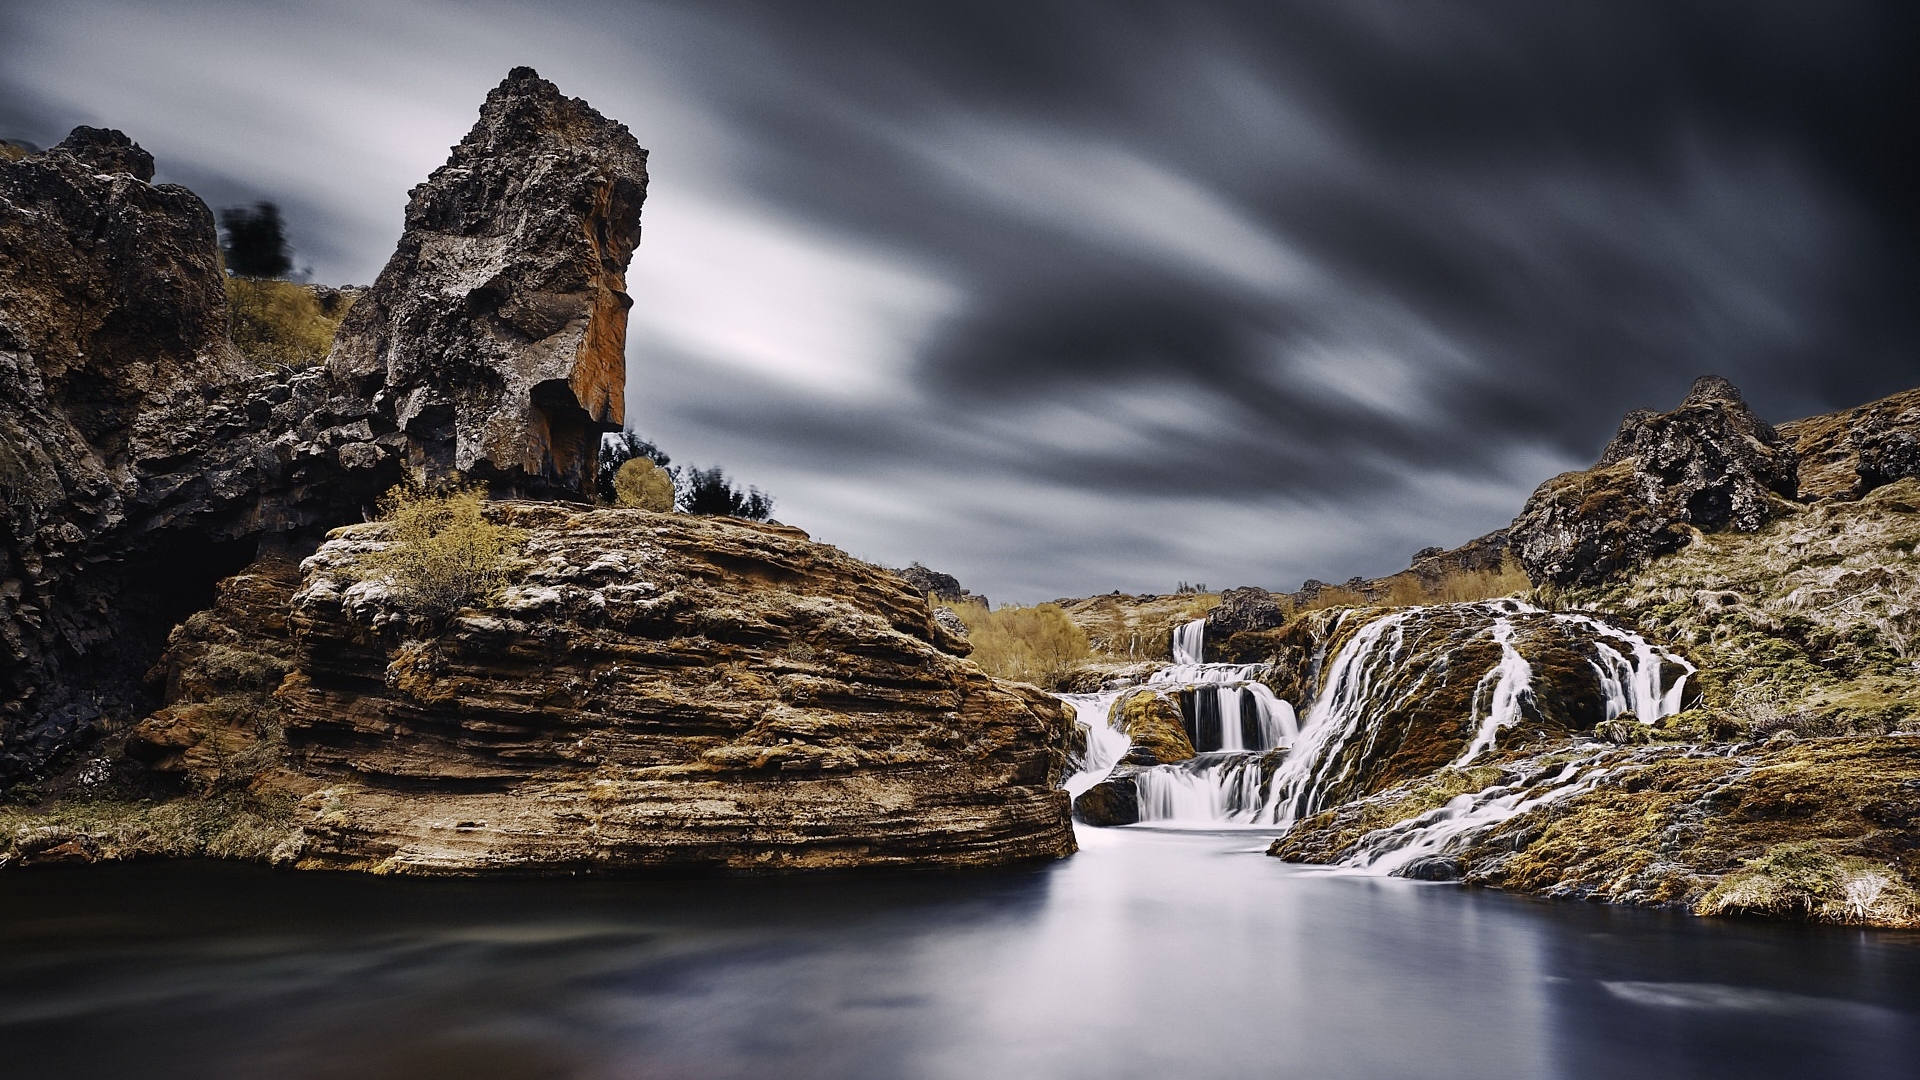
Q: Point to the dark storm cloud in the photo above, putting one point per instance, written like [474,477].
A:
[1071,296]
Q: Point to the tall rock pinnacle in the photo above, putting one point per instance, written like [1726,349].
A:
[495,335]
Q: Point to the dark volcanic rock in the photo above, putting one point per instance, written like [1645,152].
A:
[1113,801]
[143,458]
[1710,465]
[495,337]
[1245,609]
[944,586]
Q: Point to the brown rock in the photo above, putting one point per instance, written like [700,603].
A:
[658,690]
[496,333]
[143,458]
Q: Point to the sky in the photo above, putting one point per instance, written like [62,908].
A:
[1065,297]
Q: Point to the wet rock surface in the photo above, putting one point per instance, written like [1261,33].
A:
[1710,464]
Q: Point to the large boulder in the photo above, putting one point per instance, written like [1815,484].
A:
[654,690]
[1710,464]
[496,334]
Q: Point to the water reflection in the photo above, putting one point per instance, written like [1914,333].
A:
[1150,954]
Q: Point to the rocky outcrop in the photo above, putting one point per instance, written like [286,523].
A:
[656,690]
[495,337]
[143,458]
[942,586]
[1846,454]
[1710,465]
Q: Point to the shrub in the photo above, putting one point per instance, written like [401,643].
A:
[281,324]
[710,492]
[1038,645]
[443,553]
[642,484]
[619,448]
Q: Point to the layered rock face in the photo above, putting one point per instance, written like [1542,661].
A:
[143,458]
[495,337]
[657,690]
[1710,465]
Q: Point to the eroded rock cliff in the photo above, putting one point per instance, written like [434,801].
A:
[143,458]
[650,690]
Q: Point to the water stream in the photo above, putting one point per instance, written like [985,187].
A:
[1287,768]
[1148,955]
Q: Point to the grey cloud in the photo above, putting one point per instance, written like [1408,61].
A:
[1066,296]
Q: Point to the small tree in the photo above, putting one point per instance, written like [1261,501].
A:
[641,484]
[256,243]
[710,492]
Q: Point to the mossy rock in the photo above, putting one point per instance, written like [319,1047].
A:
[1152,720]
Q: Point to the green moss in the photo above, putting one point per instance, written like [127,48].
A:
[1801,881]
[1153,721]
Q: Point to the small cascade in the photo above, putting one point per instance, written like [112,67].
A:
[1274,768]
[1502,690]
[1230,708]
[1105,744]
[1448,829]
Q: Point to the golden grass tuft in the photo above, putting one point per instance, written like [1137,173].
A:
[444,554]
[1799,881]
[281,323]
[643,485]
[1038,645]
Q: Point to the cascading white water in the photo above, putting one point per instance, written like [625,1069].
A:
[1106,745]
[1250,716]
[1239,785]
[1503,689]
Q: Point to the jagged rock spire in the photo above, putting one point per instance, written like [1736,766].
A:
[496,333]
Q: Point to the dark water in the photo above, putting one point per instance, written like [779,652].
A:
[1148,955]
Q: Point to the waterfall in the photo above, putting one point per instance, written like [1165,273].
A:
[1273,768]
[1231,708]
[1189,640]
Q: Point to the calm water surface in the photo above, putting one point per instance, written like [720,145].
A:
[1150,954]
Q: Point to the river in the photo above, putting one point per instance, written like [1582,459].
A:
[1151,953]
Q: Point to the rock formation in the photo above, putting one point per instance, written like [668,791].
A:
[651,690]
[1845,455]
[143,458]
[1709,465]
[495,337]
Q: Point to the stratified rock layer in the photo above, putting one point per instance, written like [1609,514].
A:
[1710,465]
[657,690]
[495,337]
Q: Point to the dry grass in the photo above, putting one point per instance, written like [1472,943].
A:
[444,554]
[224,826]
[1799,881]
[1123,629]
[643,485]
[281,323]
[1038,645]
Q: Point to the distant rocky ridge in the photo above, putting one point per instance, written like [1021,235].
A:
[143,457]
[1708,466]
